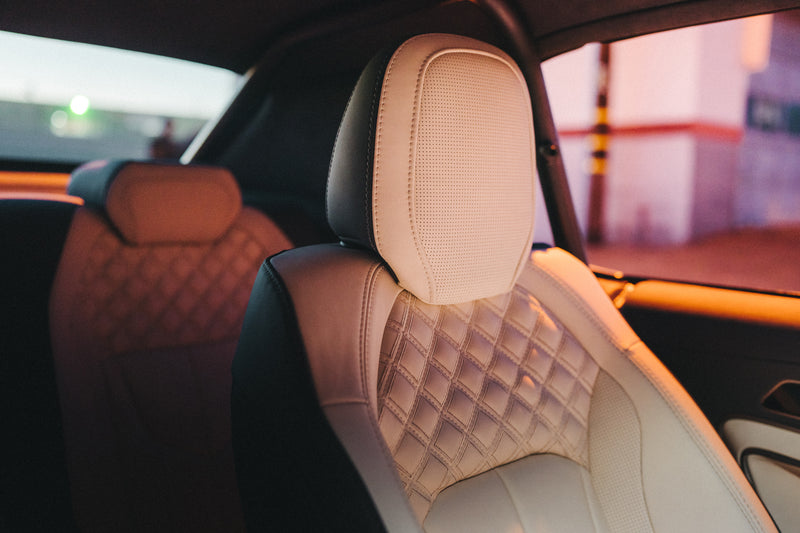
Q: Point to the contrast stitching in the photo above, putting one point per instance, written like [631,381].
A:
[387,78]
[411,144]
[499,473]
[575,299]
[369,156]
[700,442]
[654,382]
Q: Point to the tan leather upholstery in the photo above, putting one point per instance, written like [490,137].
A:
[144,332]
[152,203]
[533,407]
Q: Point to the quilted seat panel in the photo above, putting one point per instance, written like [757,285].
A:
[466,388]
[144,337]
[152,297]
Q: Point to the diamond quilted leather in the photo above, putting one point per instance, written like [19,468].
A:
[465,388]
[140,298]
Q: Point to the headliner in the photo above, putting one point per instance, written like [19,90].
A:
[234,34]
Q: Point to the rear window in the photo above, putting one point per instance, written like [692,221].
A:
[68,102]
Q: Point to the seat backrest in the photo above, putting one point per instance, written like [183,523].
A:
[473,384]
[145,312]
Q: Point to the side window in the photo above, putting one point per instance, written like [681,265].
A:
[683,151]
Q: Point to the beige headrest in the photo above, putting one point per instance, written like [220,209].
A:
[158,203]
[450,168]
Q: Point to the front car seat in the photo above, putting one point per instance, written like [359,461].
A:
[474,385]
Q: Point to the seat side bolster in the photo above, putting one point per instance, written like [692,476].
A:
[293,473]
[342,298]
[679,446]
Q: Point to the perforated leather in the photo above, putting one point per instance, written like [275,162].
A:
[463,389]
[532,408]
[440,125]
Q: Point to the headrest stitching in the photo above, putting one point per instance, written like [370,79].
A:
[428,275]
[386,82]
[370,156]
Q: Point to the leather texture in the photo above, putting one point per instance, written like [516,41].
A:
[342,349]
[644,450]
[153,203]
[520,400]
[537,493]
[438,125]
[464,389]
[684,464]
[143,338]
[282,490]
[349,190]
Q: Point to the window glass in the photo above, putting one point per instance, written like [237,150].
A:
[683,151]
[68,102]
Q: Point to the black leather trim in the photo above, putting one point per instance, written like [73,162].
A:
[349,194]
[92,180]
[293,473]
[34,487]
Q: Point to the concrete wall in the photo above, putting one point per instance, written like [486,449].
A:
[682,161]
[769,180]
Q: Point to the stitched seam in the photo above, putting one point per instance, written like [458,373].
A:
[334,403]
[576,300]
[641,455]
[369,181]
[586,479]
[366,311]
[499,473]
[373,422]
[386,84]
[387,79]
[411,144]
[700,442]
[690,428]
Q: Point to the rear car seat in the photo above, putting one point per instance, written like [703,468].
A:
[145,311]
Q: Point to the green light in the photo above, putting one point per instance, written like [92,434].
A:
[79,104]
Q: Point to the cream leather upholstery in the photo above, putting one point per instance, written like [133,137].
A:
[439,127]
[146,309]
[495,390]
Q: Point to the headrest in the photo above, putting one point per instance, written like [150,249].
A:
[434,168]
[159,203]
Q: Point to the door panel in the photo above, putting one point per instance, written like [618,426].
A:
[738,354]
[770,456]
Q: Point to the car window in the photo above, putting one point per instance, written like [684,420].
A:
[683,151]
[68,102]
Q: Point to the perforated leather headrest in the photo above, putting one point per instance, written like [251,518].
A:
[158,203]
[434,168]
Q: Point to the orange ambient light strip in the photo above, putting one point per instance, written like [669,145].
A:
[36,186]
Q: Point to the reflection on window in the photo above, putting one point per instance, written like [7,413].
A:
[702,178]
[69,102]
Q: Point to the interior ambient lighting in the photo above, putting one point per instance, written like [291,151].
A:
[79,104]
